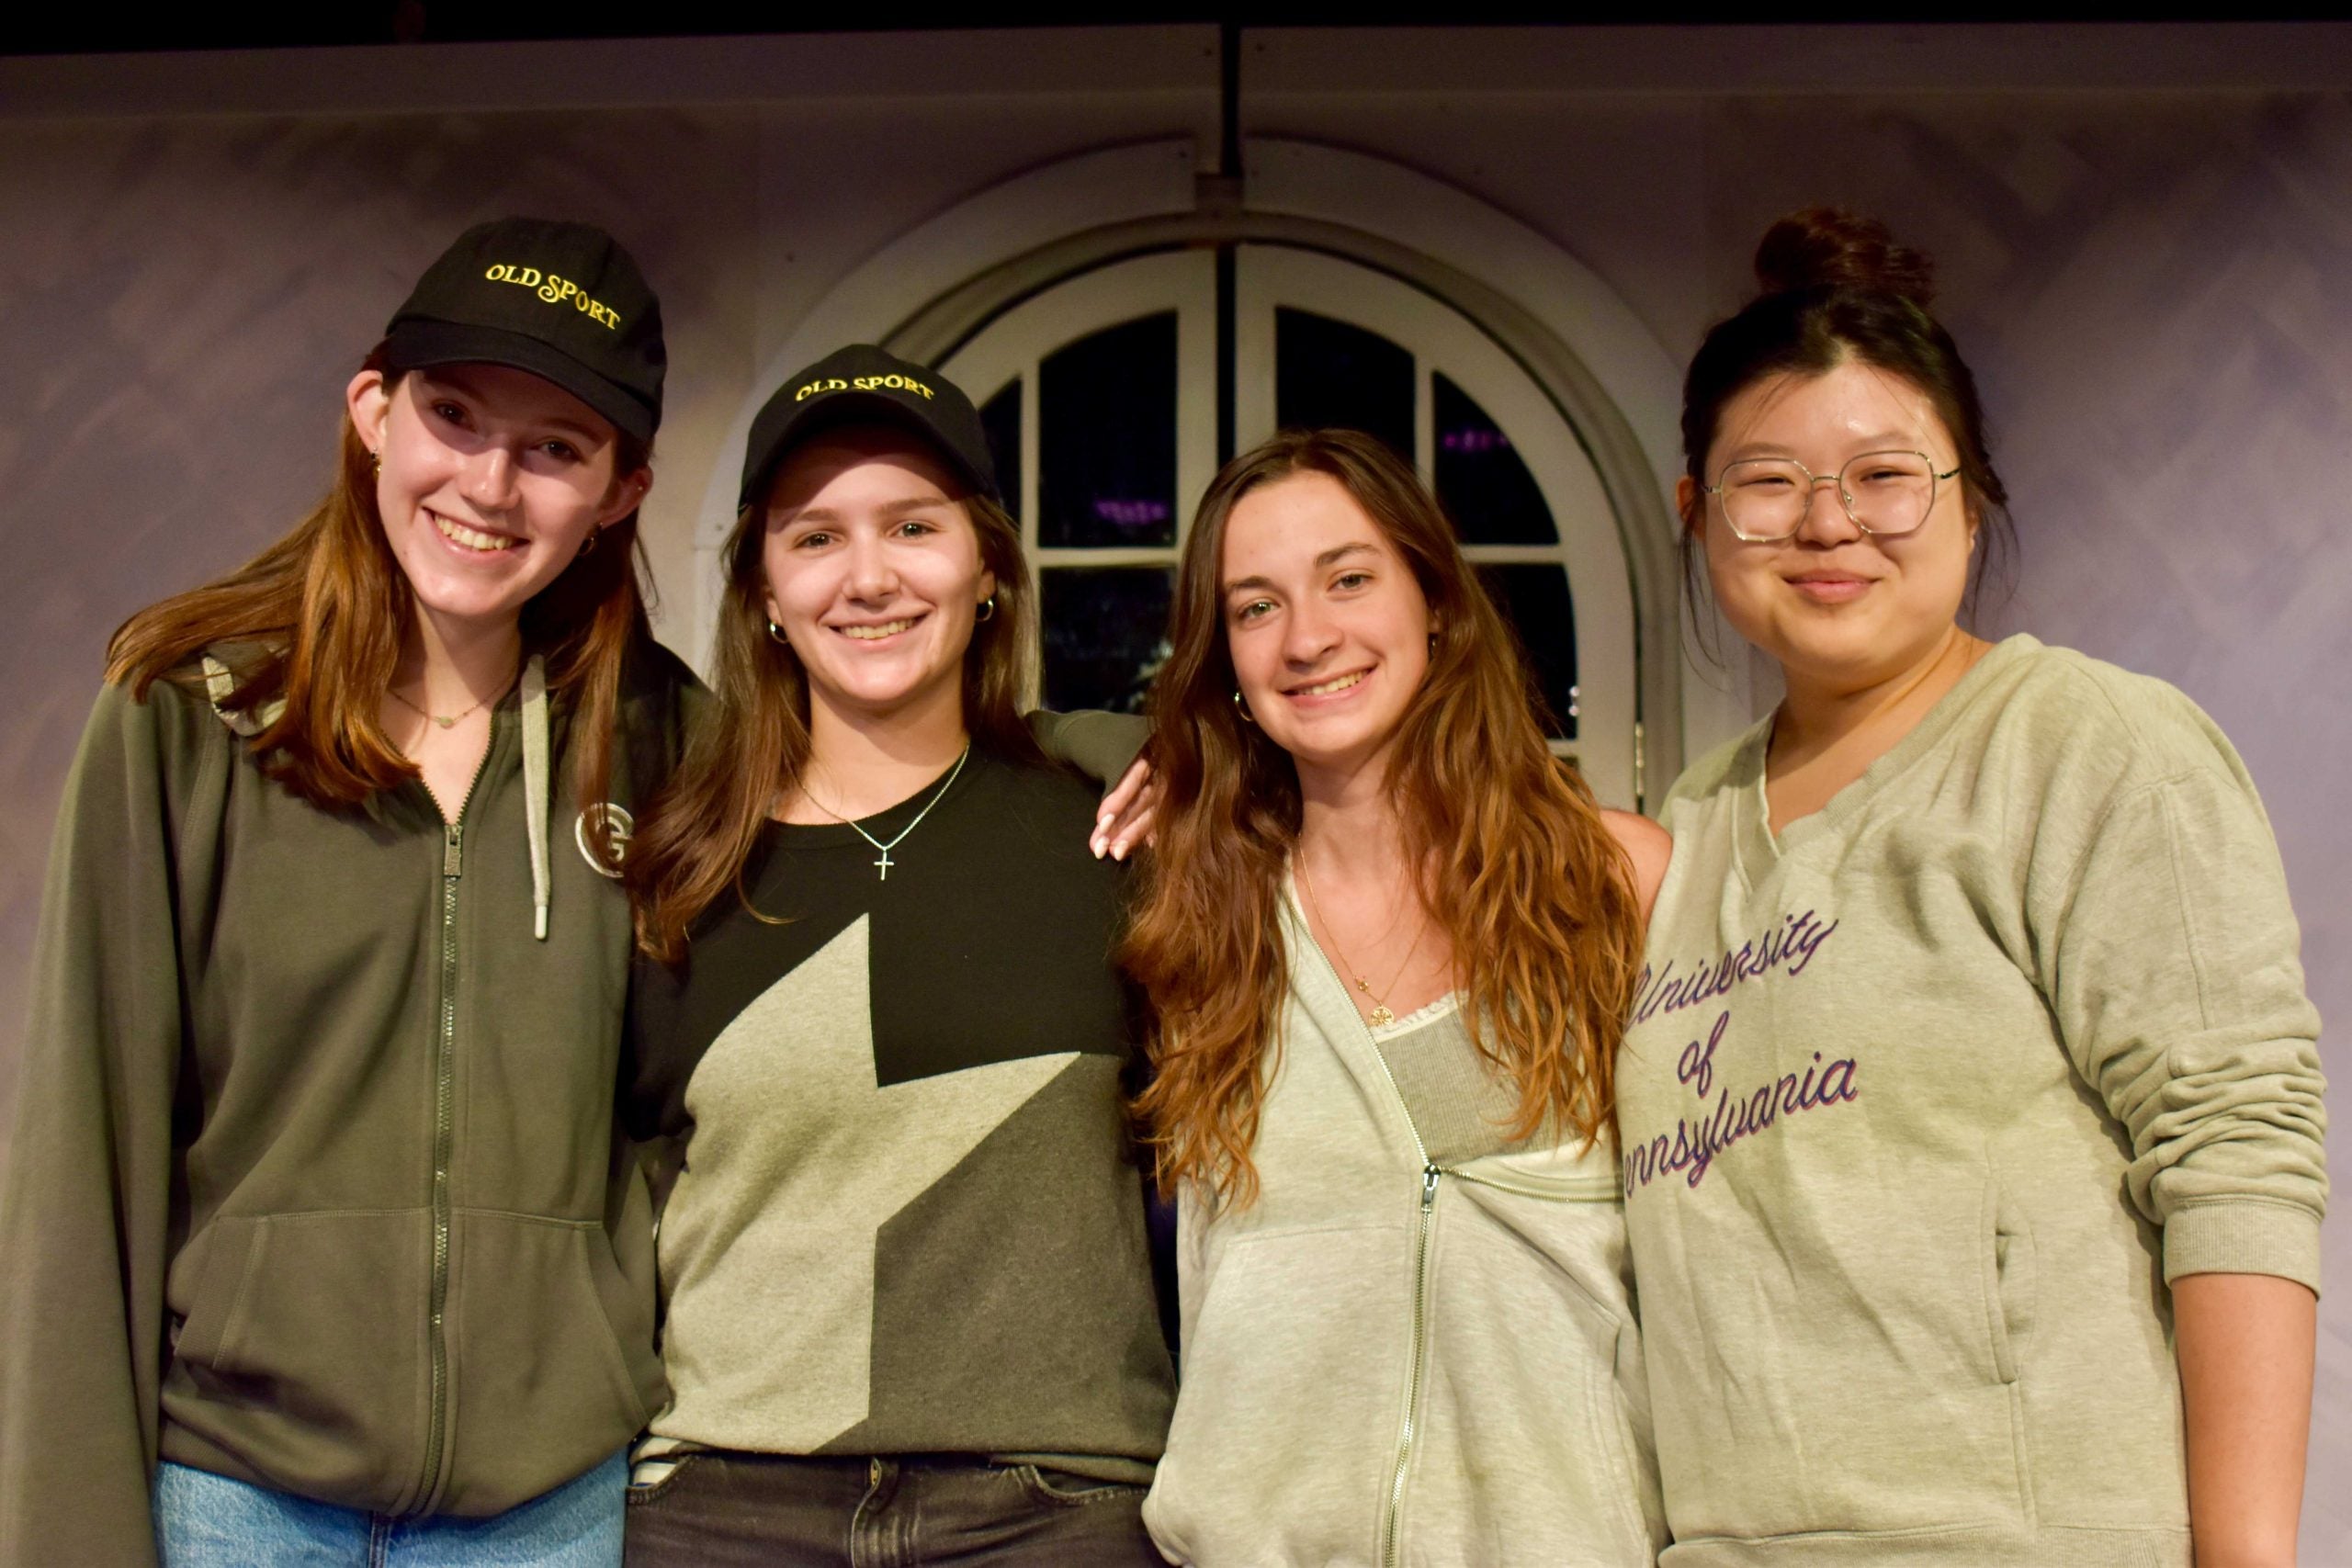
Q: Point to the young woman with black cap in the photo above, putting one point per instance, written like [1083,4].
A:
[321,1246]
[908,1301]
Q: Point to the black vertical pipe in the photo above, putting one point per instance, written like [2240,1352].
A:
[1229,167]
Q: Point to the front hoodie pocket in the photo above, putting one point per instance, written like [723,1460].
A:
[2008,1280]
[551,1358]
[1294,1384]
[1843,1369]
[303,1351]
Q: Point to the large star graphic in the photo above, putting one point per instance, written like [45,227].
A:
[799,1157]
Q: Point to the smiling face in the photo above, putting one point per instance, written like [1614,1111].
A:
[1326,628]
[874,573]
[1841,610]
[491,480]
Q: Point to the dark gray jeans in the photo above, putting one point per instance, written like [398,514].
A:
[734,1510]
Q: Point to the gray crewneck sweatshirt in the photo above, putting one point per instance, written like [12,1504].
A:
[1925,1102]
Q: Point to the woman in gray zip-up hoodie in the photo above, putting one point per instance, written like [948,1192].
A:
[1389,940]
[320,1240]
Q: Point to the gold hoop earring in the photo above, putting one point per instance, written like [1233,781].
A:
[1242,708]
[776,635]
[987,612]
[588,545]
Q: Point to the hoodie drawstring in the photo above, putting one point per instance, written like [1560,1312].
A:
[535,785]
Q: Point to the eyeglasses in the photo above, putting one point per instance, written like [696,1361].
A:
[1887,494]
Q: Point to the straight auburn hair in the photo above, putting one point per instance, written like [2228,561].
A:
[748,750]
[1519,872]
[328,608]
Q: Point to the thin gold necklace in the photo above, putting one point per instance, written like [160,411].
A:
[450,722]
[1381,1018]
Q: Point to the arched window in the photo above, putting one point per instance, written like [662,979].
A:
[1102,396]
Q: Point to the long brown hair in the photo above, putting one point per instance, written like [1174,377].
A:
[749,749]
[1525,880]
[327,608]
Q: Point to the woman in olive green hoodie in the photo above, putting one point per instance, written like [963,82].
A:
[320,1242]
[1969,1113]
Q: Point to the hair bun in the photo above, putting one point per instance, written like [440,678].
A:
[1827,247]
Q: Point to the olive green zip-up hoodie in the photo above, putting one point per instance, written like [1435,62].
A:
[314,1182]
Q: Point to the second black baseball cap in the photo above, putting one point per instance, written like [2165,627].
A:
[561,300]
[860,384]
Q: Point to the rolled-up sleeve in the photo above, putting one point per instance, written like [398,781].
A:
[2179,992]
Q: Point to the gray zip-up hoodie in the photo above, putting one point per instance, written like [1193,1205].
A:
[1418,1346]
[314,1182]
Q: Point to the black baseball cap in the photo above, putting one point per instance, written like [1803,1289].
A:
[865,384]
[561,300]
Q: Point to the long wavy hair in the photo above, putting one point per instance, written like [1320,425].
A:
[326,609]
[748,752]
[1521,875]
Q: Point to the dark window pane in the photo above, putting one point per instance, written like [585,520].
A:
[1483,483]
[1328,373]
[1106,633]
[1001,422]
[1107,437]
[1535,599]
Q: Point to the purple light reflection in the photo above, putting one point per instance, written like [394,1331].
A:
[1131,514]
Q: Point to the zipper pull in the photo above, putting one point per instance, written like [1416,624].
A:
[452,850]
[1430,1174]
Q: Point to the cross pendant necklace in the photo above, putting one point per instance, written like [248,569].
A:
[886,862]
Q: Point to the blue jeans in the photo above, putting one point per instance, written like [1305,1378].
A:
[203,1520]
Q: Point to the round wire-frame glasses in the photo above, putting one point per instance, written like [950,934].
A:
[1765,500]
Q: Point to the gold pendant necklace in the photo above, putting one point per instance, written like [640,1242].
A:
[450,722]
[1380,1017]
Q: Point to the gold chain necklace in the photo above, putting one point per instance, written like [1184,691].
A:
[1381,1018]
[450,722]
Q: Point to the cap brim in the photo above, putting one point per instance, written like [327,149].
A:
[417,344]
[857,408]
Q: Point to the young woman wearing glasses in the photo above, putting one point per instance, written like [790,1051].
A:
[1970,1112]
